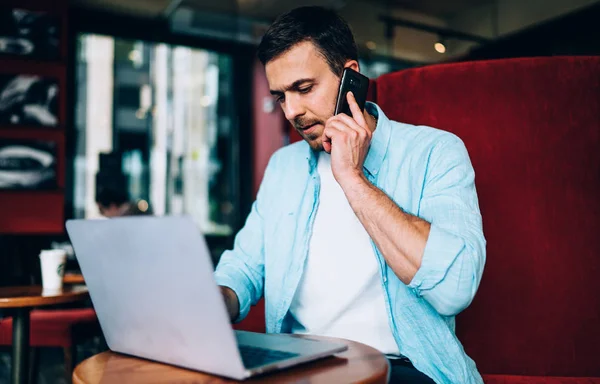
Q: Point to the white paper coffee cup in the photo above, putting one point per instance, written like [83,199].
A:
[53,268]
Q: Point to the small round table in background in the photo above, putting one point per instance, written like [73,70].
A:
[73,278]
[20,300]
[359,364]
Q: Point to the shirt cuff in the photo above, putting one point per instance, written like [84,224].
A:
[233,279]
[441,250]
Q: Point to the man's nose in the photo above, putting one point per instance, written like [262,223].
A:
[292,108]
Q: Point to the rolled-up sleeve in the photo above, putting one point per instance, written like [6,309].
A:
[454,256]
[242,268]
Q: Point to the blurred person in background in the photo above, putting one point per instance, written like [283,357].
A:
[115,202]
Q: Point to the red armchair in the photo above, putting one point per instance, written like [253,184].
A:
[532,128]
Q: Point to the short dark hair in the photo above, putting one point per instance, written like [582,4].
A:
[323,27]
[107,195]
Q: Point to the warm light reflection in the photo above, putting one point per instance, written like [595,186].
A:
[441,48]
[142,205]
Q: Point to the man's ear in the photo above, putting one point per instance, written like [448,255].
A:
[352,64]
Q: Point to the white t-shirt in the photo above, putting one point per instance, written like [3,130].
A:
[340,293]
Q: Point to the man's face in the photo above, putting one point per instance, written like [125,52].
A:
[112,210]
[306,88]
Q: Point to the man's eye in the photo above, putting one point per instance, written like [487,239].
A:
[305,90]
[279,99]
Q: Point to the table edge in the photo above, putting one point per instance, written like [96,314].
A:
[41,301]
[380,377]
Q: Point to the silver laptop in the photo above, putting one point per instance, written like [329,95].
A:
[151,282]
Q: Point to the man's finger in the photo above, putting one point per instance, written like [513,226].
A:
[344,128]
[355,110]
[350,122]
[329,133]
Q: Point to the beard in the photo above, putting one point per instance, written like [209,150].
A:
[314,138]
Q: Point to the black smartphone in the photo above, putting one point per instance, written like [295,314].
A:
[358,84]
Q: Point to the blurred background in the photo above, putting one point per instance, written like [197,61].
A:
[163,104]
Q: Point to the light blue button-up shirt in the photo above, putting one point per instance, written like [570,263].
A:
[427,172]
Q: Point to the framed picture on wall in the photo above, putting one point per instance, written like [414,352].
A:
[29,34]
[27,164]
[28,100]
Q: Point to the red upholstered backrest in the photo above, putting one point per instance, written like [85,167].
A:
[532,128]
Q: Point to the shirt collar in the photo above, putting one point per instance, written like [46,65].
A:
[379,142]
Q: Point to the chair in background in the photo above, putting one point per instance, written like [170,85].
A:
[63,328]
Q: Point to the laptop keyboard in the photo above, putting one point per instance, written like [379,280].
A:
[255,357]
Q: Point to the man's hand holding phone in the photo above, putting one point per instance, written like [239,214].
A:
[347,139]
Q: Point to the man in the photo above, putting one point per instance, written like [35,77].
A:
[367,230]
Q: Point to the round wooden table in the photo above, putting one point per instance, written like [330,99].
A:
[359,364]
[20,300]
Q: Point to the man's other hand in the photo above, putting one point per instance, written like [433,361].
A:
[231,302]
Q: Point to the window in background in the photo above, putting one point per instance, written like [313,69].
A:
[374,66]
[157,121]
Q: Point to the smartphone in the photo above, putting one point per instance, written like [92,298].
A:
[358,84]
